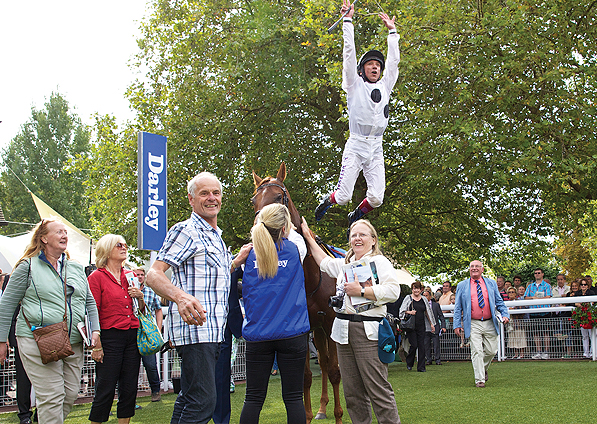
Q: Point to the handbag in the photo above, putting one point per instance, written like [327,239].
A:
[52,340]
[386,342]
[149,337]
[408,322]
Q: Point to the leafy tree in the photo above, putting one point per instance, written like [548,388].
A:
[575,257]
[111,185]
[490,139]
[42,155]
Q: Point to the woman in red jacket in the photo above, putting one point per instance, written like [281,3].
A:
[114,289]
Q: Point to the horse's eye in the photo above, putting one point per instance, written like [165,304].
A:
[279,198]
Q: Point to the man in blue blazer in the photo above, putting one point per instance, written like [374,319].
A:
[477,311]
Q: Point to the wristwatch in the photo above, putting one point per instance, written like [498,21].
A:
[362,291]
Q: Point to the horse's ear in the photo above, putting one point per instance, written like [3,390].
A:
[256,179]
[281,173]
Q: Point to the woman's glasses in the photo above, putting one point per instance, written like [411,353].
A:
[121,246]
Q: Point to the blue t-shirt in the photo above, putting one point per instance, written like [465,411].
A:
[275,308]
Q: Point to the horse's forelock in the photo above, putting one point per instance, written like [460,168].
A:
[268,180]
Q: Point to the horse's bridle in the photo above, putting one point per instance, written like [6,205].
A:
[271,184]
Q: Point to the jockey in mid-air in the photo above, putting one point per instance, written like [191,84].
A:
[368,98]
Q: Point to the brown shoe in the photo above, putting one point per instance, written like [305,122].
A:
[156,397]
[480,384]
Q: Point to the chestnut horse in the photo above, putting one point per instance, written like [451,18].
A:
[319,287]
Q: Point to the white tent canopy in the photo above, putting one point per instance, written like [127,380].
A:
[11,249]
[79,244]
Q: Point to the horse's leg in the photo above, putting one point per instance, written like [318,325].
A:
[334,374]
[307,389]
[321,343]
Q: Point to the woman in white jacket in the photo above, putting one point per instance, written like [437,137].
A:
[355,329]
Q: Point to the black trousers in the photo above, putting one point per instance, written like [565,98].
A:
[222,413]
[23,388]
[416,338]
[432,338]
[292,354]
[120,366]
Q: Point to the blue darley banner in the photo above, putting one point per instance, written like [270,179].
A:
[152,204]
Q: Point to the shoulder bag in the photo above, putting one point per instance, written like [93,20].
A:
[149,337]
[52,340]
[408,322]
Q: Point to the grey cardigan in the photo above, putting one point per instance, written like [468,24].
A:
[429,318]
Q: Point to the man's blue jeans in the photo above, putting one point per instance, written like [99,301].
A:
[197,398]
[151,368]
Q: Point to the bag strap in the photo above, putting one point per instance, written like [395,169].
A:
[63,286]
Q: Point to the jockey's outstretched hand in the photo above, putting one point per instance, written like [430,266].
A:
[345,6]
[389,23]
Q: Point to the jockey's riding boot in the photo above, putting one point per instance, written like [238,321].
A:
[322,208]
[355,216]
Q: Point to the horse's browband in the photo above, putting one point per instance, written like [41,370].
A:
[271,184]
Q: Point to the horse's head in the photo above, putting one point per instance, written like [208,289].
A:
[270,190]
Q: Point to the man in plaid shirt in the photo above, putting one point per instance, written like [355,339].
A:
[201,266]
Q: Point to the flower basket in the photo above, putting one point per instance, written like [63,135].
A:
[584,316]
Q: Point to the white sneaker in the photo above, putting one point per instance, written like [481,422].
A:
[537,356]
[545,356]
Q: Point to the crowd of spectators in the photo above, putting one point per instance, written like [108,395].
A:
[528,335]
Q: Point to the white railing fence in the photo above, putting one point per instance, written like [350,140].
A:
[564,341]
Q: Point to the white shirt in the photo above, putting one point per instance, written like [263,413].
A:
[297,239]
[387,291]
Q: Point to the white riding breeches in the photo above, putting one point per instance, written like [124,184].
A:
[366,154]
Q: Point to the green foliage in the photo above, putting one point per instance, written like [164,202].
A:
[588,223]
[574,256]
[490,139]
[111,186]
[42,155]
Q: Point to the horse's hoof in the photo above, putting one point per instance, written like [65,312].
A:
[321,416]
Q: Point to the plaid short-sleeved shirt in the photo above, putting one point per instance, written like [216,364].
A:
[533,288]
[152,302]
[200,267]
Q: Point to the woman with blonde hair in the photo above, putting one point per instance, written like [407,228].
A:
[118,362]
[276,316]
[355,331]
[49,286]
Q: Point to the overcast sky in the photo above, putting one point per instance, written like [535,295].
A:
[78,48]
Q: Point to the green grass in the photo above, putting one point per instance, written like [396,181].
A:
[517,392]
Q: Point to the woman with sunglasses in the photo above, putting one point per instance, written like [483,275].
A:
[118,361]
[585,290]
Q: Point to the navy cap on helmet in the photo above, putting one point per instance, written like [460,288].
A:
[371,55]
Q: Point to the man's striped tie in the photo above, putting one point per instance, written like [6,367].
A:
[480,295]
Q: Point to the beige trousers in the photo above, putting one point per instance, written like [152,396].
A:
[484,346]
[365,379]
[56,384]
